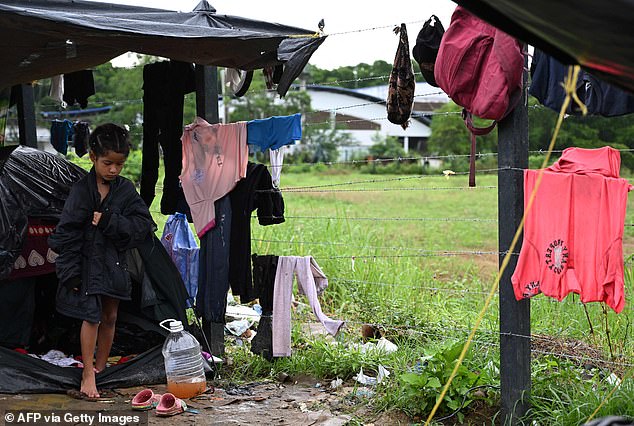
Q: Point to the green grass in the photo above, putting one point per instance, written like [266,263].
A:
[394,273]
[398,274]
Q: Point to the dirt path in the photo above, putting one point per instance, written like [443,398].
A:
[255,404]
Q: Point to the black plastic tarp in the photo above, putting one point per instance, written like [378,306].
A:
[595,34]
[24,374]
[21,373]
[33,183]
[41,38]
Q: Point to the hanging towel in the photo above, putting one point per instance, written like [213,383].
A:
[274,132]
[215,158]
[311,281]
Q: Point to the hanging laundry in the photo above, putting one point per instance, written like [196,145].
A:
[164,87]
[238,81]
[574,229]
[178,239]
[276,157]
[213,275]
[426,48]
[255,192]
[600,98]
[61,133]
[274,132]
[311,281]
[57,89]
[606,100]
[78,87]
[401,86]
[547,76]
[81,133]
[264,270]
[215,158]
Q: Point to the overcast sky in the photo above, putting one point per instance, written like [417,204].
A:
[346,45]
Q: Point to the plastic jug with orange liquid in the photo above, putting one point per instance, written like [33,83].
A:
[183,362]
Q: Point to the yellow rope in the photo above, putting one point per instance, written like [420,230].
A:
[570,87]
[315,35]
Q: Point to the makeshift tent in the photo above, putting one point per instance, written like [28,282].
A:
[42,38]
[596,35]
[35,184]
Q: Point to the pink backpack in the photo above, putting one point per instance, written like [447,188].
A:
[480,68]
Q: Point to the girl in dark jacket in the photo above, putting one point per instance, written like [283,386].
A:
[103,217]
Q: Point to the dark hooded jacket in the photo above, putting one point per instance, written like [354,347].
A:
[96,255]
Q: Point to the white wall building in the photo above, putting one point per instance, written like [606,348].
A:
[363,113]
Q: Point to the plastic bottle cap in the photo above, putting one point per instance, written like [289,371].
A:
[174,325]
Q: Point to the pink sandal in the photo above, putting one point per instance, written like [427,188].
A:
[169,405]
[145,400]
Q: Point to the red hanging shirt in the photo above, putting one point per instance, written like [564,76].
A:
[573,232]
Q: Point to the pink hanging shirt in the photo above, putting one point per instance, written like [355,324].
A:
[573,232]
[214,160]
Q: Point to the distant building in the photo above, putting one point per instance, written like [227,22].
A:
[363,113]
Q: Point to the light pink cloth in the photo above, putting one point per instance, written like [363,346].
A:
[214,159]
[310,280]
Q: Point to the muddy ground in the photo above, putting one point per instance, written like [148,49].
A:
[263,403]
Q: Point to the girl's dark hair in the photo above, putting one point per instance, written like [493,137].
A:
[109,137]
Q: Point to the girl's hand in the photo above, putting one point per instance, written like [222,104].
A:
[96,217]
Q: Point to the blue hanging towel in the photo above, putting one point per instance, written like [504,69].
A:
[274,132]
[178,239]
[61,133]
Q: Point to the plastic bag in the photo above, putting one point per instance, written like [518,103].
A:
[178,239]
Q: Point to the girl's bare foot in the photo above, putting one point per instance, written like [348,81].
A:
[88,384]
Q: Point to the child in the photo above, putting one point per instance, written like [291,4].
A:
[103,217]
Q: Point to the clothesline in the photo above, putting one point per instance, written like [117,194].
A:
[420,250]
[443,289]
[379,219]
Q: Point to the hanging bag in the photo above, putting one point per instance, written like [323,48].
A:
[480,68]
[426,48]
[400,94]
[178,239]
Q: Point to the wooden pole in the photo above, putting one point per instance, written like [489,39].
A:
[26,115]
[515,351]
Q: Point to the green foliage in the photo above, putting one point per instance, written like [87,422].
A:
[450,136]
[349,75]
[422,387]
[386,147]
[131,170]
[564,393]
